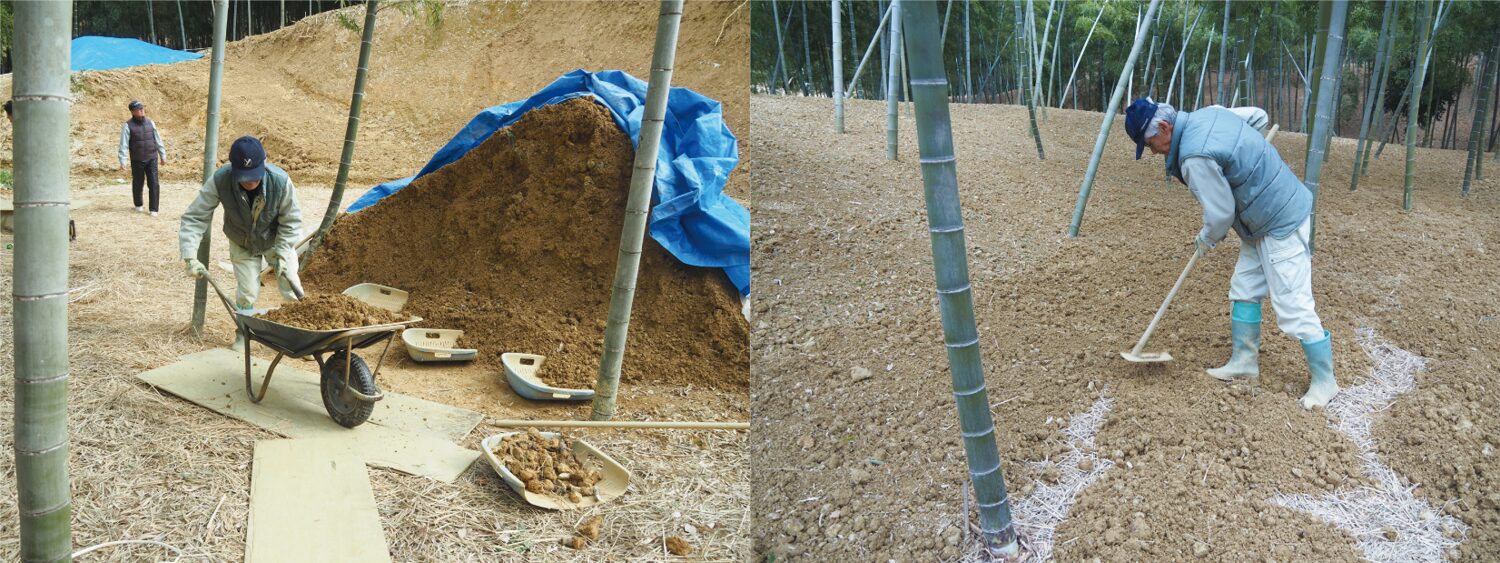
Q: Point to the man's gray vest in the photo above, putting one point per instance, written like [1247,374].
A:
[1268,198]
[254,227]
[142,140]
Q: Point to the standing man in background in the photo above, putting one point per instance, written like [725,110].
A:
[140,142]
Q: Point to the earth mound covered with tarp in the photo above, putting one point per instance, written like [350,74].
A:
[516,242]
[92,52]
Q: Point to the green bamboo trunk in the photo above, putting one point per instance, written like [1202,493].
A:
[1494,78]
[1476,132]
[955,296]
[1079,59]
[838,69]
[780,56]
[1315,70]
[1109,121]
[874,40]
[633,234]
[210,150]
[1223,55]
[1365,121]
[351,130]
[1025,85]
[1416,94]
[40,90]
[1379,111]
[893,83]
[1333,45]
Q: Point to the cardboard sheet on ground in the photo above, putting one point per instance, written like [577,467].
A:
[407,434]
[310,500]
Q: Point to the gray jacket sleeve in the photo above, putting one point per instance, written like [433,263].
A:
[1206,180]
[290,219]
[161,148]
[124,144]
[196,220]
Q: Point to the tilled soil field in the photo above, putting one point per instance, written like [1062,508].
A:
[848,363]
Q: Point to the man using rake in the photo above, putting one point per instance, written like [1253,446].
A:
[1241,181]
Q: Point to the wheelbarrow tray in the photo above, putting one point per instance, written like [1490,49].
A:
[300,342]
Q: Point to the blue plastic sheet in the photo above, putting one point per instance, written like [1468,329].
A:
[103,53]
[690,215]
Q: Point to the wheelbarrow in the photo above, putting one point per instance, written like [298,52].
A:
[347,384]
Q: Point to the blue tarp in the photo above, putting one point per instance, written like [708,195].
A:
[690,215]
[104,53]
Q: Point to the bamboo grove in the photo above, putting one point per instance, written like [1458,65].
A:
[1069,53]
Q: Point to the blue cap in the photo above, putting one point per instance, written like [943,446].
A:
[136,104]
[1137,119]
[247,159]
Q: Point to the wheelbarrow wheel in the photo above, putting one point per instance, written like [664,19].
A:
[344,408]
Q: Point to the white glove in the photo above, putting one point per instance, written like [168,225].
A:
[1202,245]
[195,268]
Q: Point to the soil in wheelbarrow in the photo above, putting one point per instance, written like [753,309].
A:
[516,245]
[547,465]
[330,312]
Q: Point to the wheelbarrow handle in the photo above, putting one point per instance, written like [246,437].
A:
[229,305]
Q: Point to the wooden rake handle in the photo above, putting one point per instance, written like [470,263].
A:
[1165,303]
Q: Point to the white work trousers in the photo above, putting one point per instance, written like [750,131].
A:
[1282,268]
[247,274]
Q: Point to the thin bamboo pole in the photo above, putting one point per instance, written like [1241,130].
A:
[1375,82]
[955,298]
[1077,61]
[1223,55]
[893,83]
[1036,133]
[1202,71]
[838,69]
[780,56]
[633,232]
[1476,132]
[1418,77]
[210,150]
[806,55]
[1109,121]
[874,40]
[181,27]
[42,96]
[968,58]
[1181,55]
[1379,108]
[351,129]
[1323,123]
[1494,77]
[151,21]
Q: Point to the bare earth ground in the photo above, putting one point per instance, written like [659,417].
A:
[844,284]
[149,466]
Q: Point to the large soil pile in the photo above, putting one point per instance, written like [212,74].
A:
[516,244]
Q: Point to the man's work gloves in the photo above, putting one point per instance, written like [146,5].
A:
[195,268]
[1201,245]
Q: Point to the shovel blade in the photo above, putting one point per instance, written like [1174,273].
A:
[1146,357]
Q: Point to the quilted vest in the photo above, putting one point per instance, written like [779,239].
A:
[252,225]
[1268,198]
[142,140]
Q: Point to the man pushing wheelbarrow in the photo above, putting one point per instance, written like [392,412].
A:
[261,220]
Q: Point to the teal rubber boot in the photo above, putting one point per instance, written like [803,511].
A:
[1320,363]
[1244,335]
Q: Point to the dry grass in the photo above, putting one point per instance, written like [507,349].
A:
[150,467]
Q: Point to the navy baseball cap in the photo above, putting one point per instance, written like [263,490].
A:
[1137,119]
[136,104]
[247,159]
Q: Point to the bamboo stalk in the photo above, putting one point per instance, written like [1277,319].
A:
[1036,133]
[42,96]
[1181,55]
[1109,121]
[1418,77]
[1223,54]
[780,57]
[1323,123]
[662,425]
[874,40]
[351,130]
[1202,71]
[1476,133]
[1081,51]
[893,82]
[968,58]
[955,298]
[633,232]
[806,55]
[1379,107]
[838,69]
[210,151]
[1365,121]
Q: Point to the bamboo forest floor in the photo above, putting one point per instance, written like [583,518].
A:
[150,466]
[848,363]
